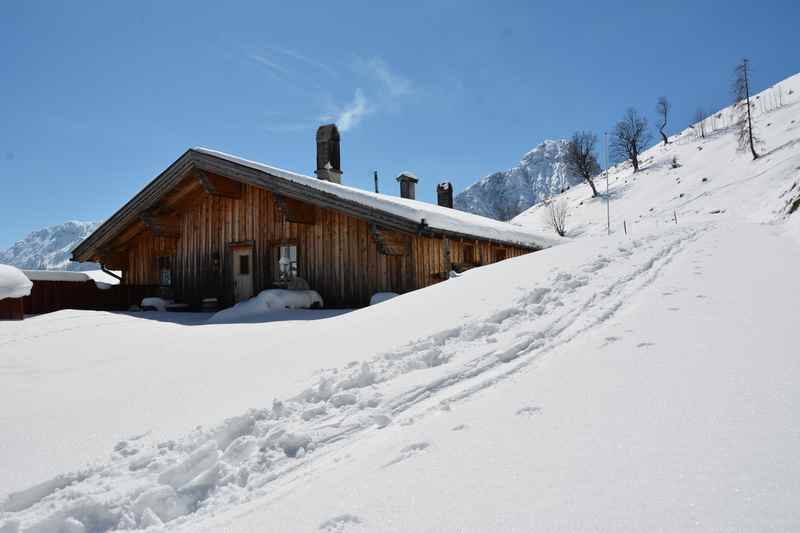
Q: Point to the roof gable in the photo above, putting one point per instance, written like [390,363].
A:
[390,211]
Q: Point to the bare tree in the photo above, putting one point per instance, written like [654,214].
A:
[555,216]
[662,108]
[581,160]
[630,137]
[742,108]
[700,123]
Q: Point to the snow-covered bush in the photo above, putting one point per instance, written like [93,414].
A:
[159,304]
[267,301]
[555,216]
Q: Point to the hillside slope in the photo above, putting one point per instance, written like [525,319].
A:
[713,180]
[540,174]
[614,384]
[49,248]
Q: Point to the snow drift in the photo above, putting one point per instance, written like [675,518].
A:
[268,301]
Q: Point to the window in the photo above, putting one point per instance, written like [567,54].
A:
[469,254]
[286,255]
[165,271]
[499,254]
[244,265]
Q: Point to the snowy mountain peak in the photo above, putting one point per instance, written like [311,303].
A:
[540,173]
[49,248]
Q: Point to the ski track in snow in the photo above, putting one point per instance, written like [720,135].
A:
[176,482]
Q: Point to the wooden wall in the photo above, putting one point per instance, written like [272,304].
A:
[337,254]
[143,253]
[12,309]
[49,296]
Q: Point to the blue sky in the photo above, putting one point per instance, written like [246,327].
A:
[98,97]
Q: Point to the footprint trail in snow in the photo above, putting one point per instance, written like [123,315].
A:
[176,482]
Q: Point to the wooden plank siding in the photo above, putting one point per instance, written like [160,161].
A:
[49,296]
[143,253]
[12,309]
[338,254]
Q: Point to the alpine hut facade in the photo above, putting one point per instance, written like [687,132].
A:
[215,227]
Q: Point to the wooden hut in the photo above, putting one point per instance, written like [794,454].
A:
[94,290]
[215,226]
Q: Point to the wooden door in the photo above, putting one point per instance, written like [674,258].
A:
[242,273]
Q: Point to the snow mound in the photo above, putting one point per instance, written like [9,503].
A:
[379,297]
[268,301]
[159,304]
[13,283]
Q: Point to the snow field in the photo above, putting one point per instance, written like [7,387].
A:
[672,415]
[183,480]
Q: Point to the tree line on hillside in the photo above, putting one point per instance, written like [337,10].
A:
[631,135]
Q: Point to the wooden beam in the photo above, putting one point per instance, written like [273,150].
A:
[389,242]
[162,225]
[129,233]
[187,187]
[295,210]
[448,258]
[112,259]
[217,185]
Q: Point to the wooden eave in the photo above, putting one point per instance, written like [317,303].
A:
[191,161]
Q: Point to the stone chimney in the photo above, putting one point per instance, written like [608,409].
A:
[444,194]
[408,185]
[328,162]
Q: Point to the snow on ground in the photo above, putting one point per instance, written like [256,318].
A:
[379,297]
[672,413]
[628,383]
[622,363]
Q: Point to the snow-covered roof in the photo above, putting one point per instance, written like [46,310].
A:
[435,216]
[13,283]
[408,174]
[98,276]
